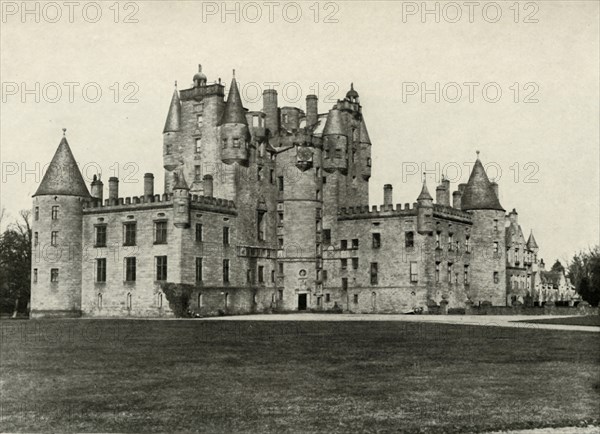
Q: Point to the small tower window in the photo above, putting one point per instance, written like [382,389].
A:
[54,275]
[129,304]
[197,172]
[169,149]
[198,269]
[198,146]
[236,142]
[374,273]
[35,238]
[409,240]
[225,270]
[36,213]
[226,235]
[450,272]
[284,118]
[369,162]
[199,232]
[99,300]
[199,121]
[35,275]
[55,212]
[414,272]
[54,238]
[437,272]
[376,240]
[466,274]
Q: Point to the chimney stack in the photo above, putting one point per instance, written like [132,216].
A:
[312,110]
[97,188]
[442,193]
[270,110]
[208,185]
[387,195]
[457,199]
[113,190]
[148,185]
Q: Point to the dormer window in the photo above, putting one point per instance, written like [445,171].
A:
[236,142]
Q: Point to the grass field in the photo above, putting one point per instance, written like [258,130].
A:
[229,376]
[584,320]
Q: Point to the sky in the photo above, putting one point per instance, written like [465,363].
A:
[518,83]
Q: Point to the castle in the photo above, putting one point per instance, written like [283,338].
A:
[268,211]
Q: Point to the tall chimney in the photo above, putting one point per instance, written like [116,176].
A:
[312,110]
[461,187]
[208,185]
[387,195]
[113,189]
[270,110]
[148,185]
[97,188]
[457,199]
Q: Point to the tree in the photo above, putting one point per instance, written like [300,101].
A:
[15,265]
[558,267]
[584,273]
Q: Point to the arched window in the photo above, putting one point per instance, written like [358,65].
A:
[129,301]
[226,300]
[99,300]
[200,304]
[159,300]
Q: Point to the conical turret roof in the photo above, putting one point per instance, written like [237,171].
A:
[63,176]
[334,123]
[479,192]
[424,193]
[363,133]
[173,122]
[531,243]
[180,183]
[234,110]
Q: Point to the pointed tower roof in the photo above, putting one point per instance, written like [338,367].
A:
[180,183]
[479,192]
[63,176]
[424,192]
[352,93]
[334,123]
[234,110]
[531,243]
[173,122]
[363,133]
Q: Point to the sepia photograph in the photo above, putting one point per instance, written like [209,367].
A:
[300,216]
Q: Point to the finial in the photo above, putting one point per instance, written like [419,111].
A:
[234,73]
[175,84]
[477,152]
[199,67]
[219,80]
[351,86]
[64,132]
[424,178]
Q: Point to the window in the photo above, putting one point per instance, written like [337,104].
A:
[344,244]
[271,177]
[198,146]
[437,272]
[438,242]
[280,183]
[374,273]
[325,275]
[467,244]
[450,272]
[255,122]
[36,213]
[35,238]
[272,276]
[169,149]
[353,156]
[198,269]
[326,236]
[355,263]
[130,266]
[376,240]
[160,232]
[414,272]
[200,300]
[326,153]
[99,300]
[517,256]
[129,234]
[327,298]
[226,235]
[54,275]
[496,277]
[199,121]
[55,212]
[261,274]
[369,162]
[338,153]
[344,262]
[355,243]
[280,242]
[280,218]
[226,270]
[54,238]
[101,270]
[280,265]
[280,294]
[197,172]
[236,142]
[260,225]
[161,268]
[450,242]
[198,231]
[355,298]
[100,236]
[409,240]
[457,246]
[259,173]
[35,275]
[495,224]
[284,118]
[344,283]
[318,195]
[249,276]
[496,249]
[129,304]
[324,180]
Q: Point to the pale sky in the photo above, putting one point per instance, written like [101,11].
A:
[547,152]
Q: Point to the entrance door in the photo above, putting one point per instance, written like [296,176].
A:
[301,301]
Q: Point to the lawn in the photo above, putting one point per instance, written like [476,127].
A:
[583,320]
[230,376]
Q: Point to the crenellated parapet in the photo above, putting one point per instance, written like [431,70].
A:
[382,211]
[198,93]
[450,213]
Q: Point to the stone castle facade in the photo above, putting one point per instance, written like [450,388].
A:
[269,211]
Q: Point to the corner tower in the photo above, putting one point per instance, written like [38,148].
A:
[57,237]
[488,261]
[235,136]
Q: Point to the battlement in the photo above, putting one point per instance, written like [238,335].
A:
[158,201]
[383,211]
[197,93]
[450,213]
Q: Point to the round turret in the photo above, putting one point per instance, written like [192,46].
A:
[199,78]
